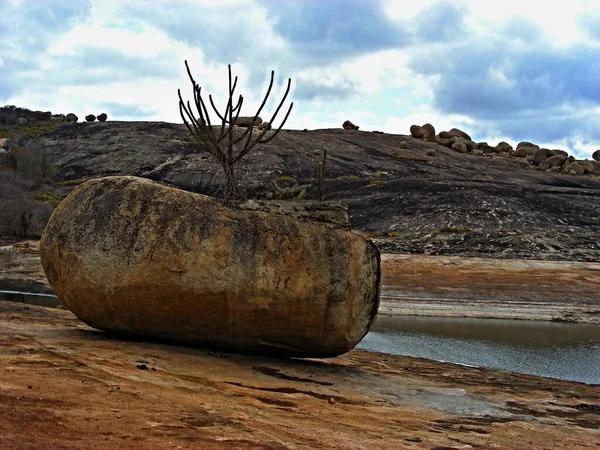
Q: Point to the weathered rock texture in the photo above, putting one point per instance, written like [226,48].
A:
[129,255]
[248,121]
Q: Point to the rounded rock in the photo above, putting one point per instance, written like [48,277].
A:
[128,255]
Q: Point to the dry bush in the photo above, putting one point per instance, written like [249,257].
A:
[20,215]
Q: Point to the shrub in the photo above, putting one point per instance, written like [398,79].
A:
[377,182]
[393,234]
[32,163]
[20,215]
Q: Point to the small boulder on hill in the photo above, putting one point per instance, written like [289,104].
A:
[504,147]
[589,166]
[575,168]
[426,132]
[90,117]
[455,132]
[248,122]
[540,155]
[22,121]
[596,155]
[528,147]
[72,118]
[553,161]
[265,126]
[347,125]
[102,117]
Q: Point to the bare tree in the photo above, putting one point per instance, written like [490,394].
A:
[227,147]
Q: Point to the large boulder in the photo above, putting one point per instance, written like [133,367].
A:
[90,117]
[72,118]
[596,155]
[128,255]
[102,117]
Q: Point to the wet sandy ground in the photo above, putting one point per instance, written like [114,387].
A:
[64,385]
[452,286]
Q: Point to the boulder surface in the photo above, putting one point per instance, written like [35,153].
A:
[129,255]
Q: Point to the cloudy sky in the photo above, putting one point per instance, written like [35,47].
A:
[509,70]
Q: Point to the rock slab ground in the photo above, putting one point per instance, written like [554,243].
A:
[67,386]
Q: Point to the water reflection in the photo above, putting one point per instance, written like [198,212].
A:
[558,350]
[47,300]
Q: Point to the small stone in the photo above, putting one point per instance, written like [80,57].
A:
[102,117]
[403,145]
[347,125]
[142,366]
[90,117]
[430,152]
[331,400]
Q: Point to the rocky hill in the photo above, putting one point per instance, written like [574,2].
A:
[408,199]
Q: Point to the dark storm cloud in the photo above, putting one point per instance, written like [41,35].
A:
[334,29]
[530,90]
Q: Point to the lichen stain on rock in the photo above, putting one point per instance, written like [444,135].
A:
[126,254]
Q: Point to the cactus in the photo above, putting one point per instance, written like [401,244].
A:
[223,144]
[321,175]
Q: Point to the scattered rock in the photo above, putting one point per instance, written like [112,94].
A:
[574,169]
[426,132]
[553,161]
[589,166]
[559,152]
[455,132]
[484,147]
[446,142]
[201,273]
[540,155]
[504,147]
[248,122]
[72,118]
[22,121]
[102,117]
[347,125]
[3,142]
[403,145]
[528,146]
[265,126]
[460,147]
[90,117]
[430,152]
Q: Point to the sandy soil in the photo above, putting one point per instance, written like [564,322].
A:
[64,385]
